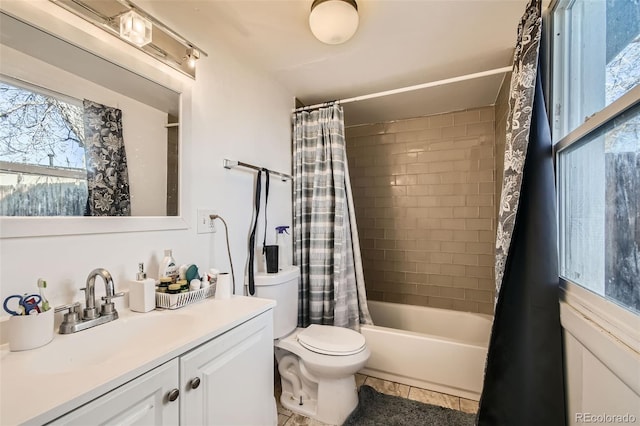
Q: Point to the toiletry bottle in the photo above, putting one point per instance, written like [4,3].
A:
[168,267]
[284,247]
[142,295]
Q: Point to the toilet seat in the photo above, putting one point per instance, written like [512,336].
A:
[330,340]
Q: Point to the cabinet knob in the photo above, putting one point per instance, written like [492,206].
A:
[174,394]
[195,383]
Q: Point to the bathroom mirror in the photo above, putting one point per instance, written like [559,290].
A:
[50,65]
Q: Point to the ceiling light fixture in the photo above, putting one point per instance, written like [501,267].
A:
[135,28]
[333,21]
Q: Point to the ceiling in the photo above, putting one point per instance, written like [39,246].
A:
[399,43]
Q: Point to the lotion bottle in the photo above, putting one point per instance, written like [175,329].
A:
[168,267]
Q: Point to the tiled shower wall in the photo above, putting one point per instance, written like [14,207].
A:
[501,111]
[424,195]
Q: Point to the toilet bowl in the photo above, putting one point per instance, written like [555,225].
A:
[319,381]
[317,364]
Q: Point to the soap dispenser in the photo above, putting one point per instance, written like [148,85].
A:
[142,294]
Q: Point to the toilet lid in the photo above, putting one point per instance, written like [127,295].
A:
[329,340]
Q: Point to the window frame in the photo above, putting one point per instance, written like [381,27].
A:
[622,323]
[37,169]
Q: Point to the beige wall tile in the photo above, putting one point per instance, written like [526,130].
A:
[486,284]
[463,117]
[453,270]
[441,120]
[465,305]
[416,278]
[424,192]
[428,290]
[455,223]
[479,248]
[486,128]
[465,282]
[478,224]
[454,247]
[467,236]
[428,268]
[466,212]
[480,271]
[478,295]
[407,125]
[486,308]
[437,257]
[487,114]
[426,246]
[441,280]
[419,136]
[429,178]
[440,302]
[395,255]
[394,298]
[455,131]
[419,300]
[364,130]
[465,259]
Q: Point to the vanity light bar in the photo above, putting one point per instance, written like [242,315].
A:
[169,47]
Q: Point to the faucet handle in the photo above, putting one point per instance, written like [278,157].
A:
[108,307]
[108,298]
[72,307]
[70,318]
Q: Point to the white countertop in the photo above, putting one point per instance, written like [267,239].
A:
[39,385]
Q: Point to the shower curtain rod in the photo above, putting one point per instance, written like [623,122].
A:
[228,164]
[410,88]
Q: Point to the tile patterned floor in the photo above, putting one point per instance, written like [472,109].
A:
[287,418]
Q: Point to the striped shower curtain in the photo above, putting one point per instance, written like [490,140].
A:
[326,246]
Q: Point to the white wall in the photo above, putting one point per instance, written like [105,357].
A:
[231,111]
[602,360]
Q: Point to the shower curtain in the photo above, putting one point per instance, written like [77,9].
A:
[524,382]
[326,246]
[107,175]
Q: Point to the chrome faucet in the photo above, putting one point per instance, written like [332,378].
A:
[90,317]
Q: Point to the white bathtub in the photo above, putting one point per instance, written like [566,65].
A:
[431,348]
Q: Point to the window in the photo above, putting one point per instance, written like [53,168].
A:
[597,51]
[42,165]
[596,123]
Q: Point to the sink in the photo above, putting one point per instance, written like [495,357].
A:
[106,343]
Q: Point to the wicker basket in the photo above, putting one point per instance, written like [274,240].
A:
[175,301]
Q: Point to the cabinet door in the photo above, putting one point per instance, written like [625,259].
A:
[235,374]
[142,401]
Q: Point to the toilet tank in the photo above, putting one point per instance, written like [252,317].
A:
[283,288]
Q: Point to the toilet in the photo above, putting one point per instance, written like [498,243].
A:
[317,364]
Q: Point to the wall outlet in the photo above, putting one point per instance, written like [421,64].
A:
[206,225]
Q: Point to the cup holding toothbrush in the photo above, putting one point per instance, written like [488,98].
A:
[30,331]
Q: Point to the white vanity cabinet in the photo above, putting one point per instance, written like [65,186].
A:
[143,401]
[225,381]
